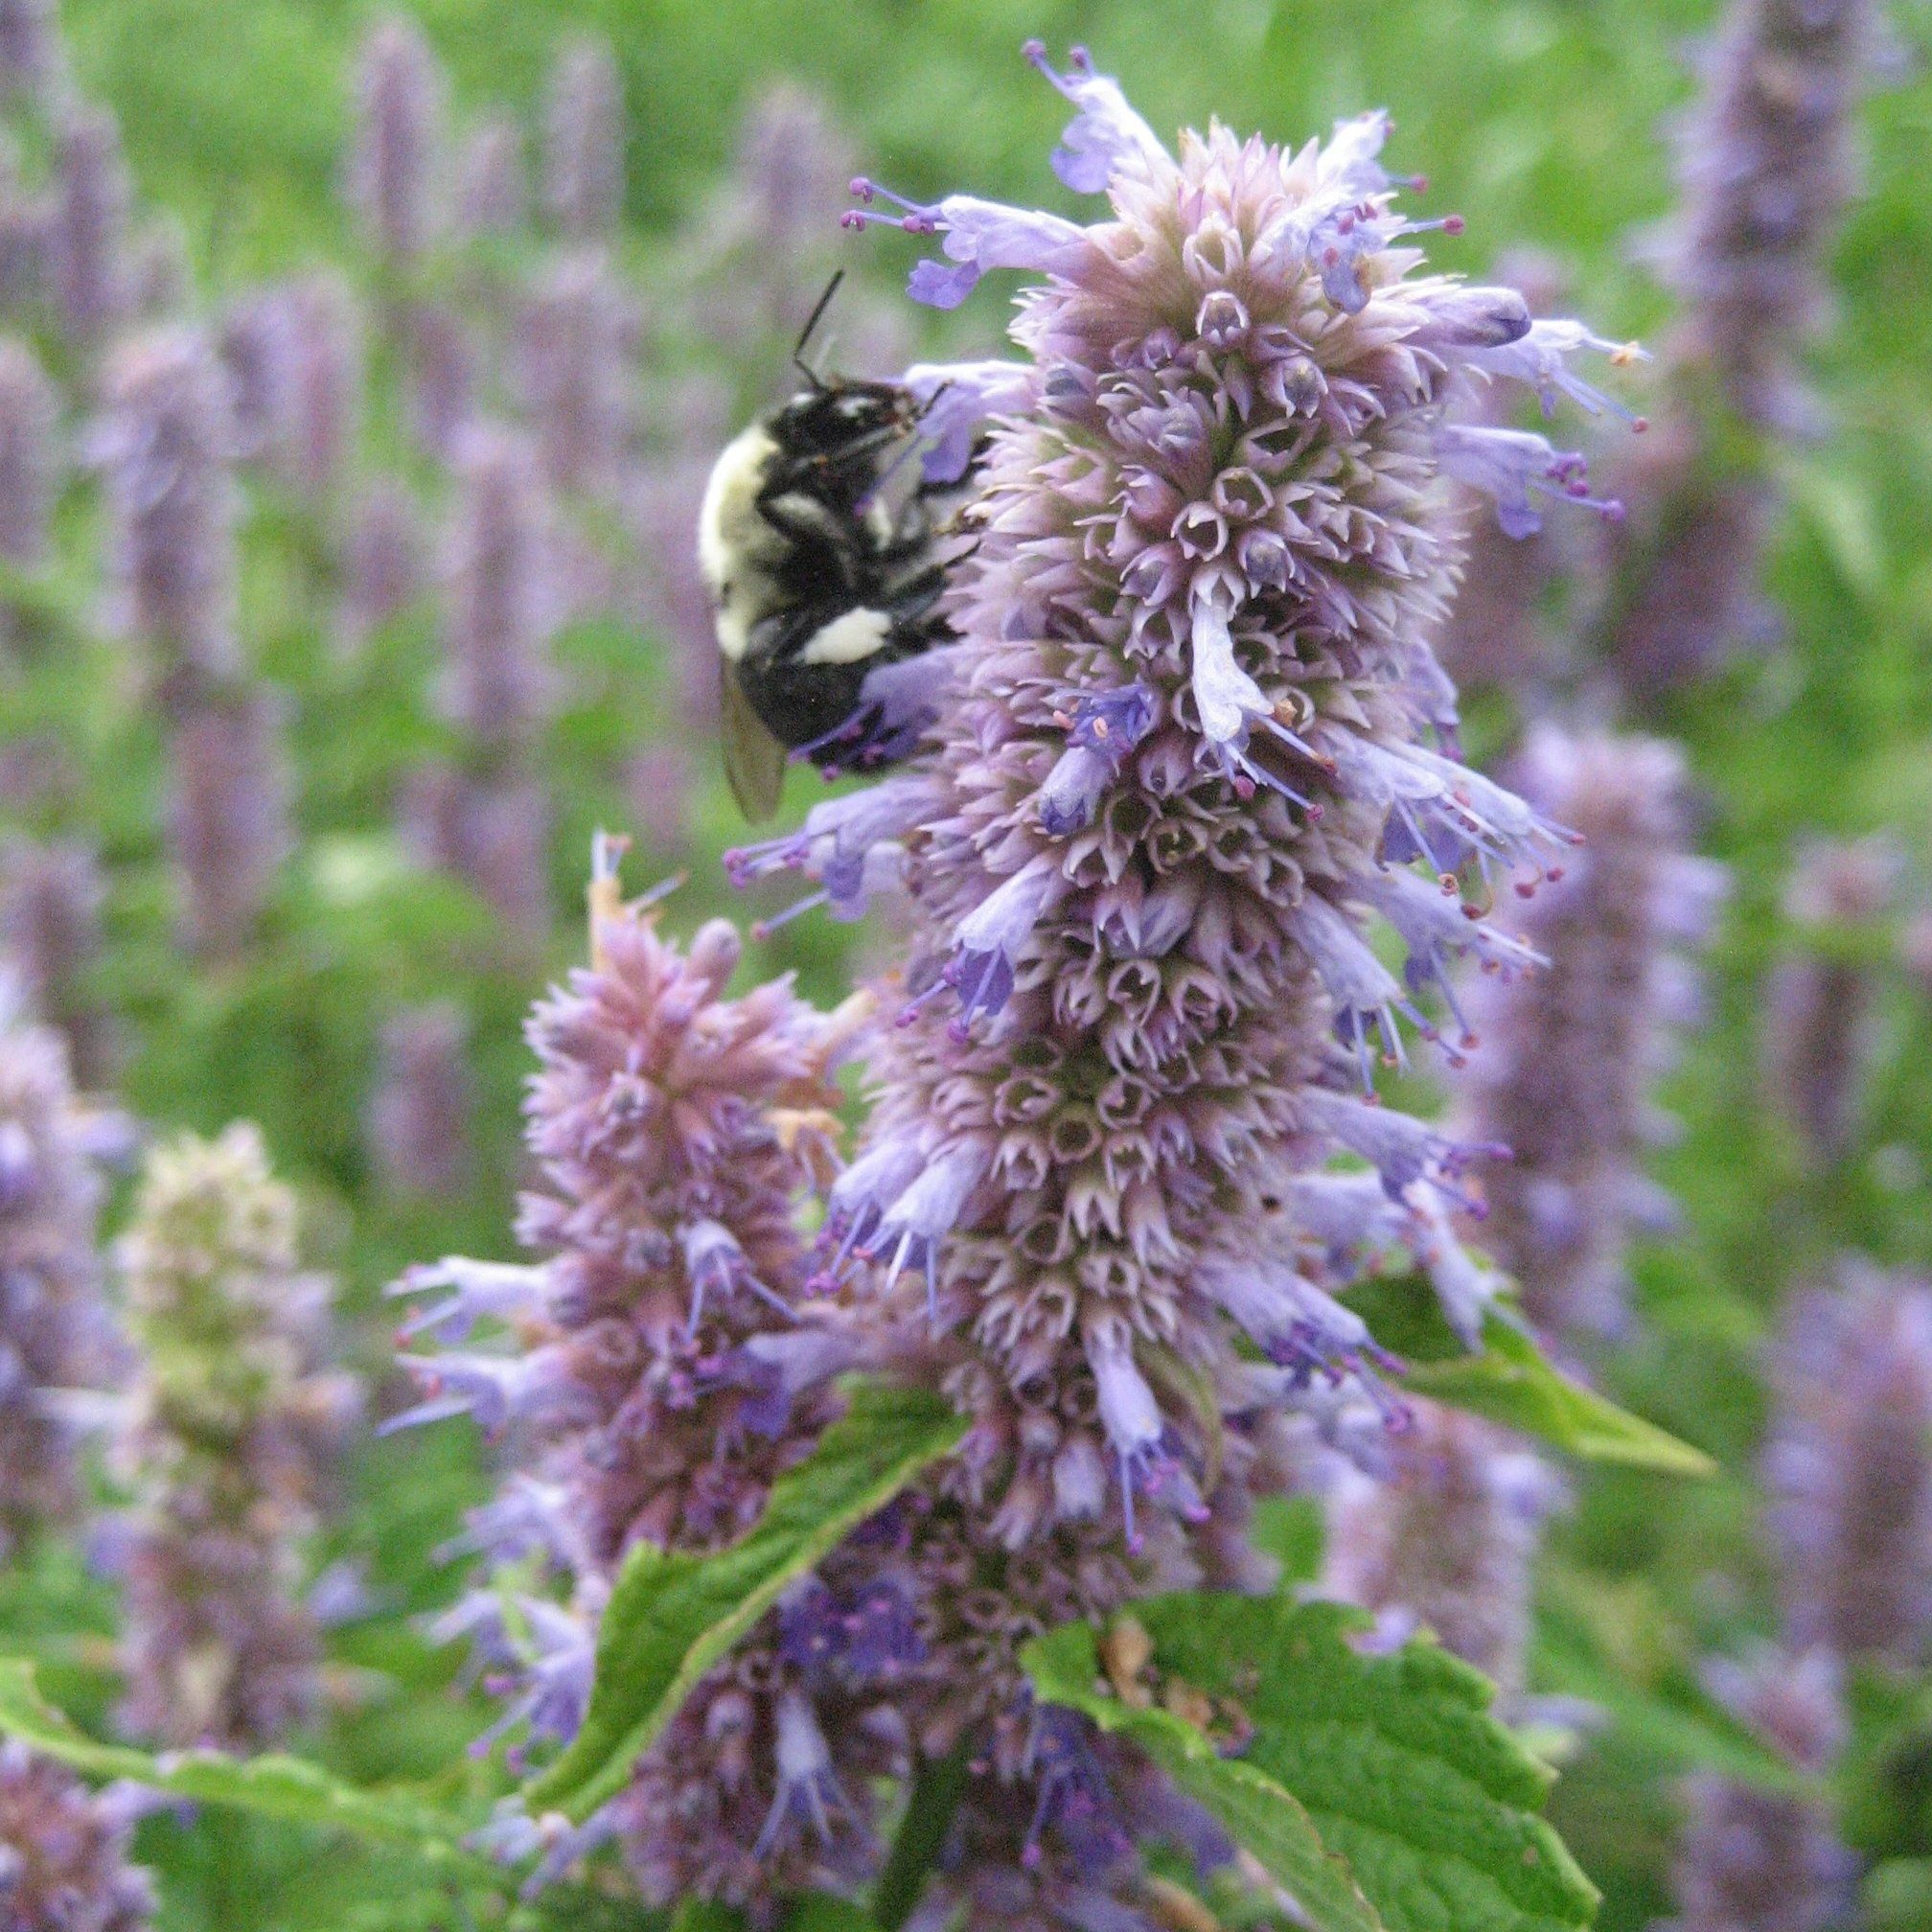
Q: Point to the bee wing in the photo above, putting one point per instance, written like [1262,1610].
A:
[754,761]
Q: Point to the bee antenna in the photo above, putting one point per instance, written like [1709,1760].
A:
[811,322]
[925,408]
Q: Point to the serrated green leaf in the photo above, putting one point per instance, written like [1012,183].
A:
[1393,1761]
[274,1786]
[672,1617]
[1512,1382]
[1263,1816]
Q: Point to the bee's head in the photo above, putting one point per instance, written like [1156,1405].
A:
[842,419]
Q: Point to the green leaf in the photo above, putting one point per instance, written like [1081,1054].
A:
[705,1915]
[821,1912]
[936,1791]
[672,1617]
[274,1786]
[813,1912]
[700,1915]
[1263,1816]
[1511,1382]
[1883,1776]
[1292,1530]
[1898,1896]
[1839,509]
[1396,1771]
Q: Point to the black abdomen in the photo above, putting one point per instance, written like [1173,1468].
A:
[799,702]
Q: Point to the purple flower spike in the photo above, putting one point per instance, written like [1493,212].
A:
[55,1328]
[1187,724]
[1820,1036]
[1447,1541]
[417,1122]
[232,1441]
[1198,905]
[1849,1468]
[667,1362]
[1750,1856]
[1766,167]
[64,1852]
[395,160]
[51,897]
[1579,1041]
[164,441]
[584,138]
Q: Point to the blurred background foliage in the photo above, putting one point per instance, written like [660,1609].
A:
[1538,120]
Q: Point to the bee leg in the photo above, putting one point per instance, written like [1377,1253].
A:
[908,601]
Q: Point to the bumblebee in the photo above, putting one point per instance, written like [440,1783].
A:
[821,566]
